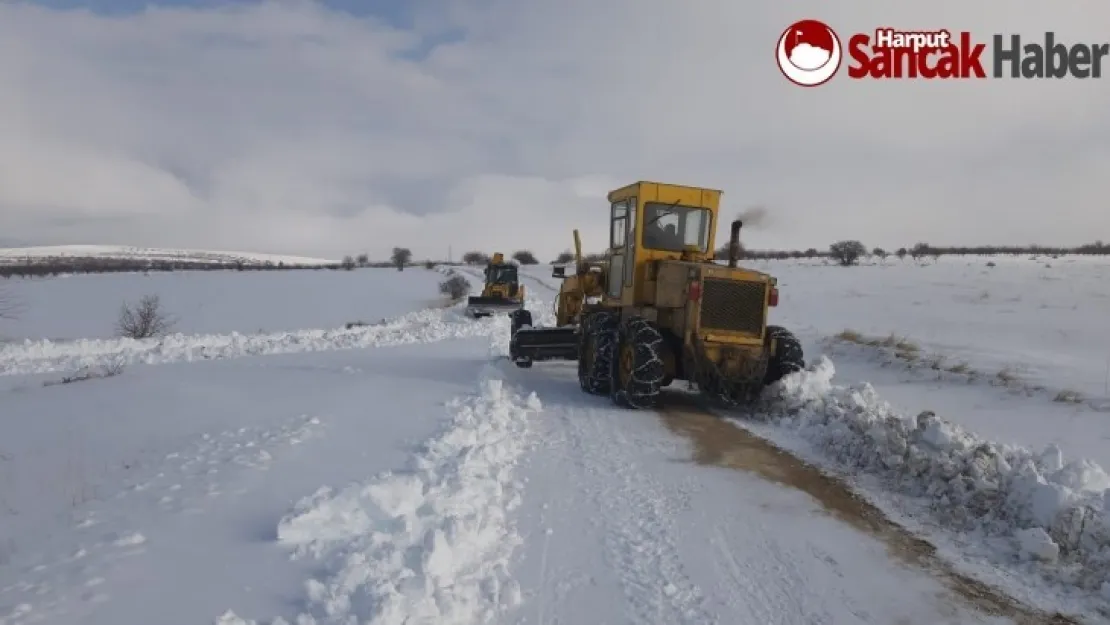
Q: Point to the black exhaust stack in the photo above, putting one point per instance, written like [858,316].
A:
[734,243]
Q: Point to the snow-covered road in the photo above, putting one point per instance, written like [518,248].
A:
[405,474]
[631,523]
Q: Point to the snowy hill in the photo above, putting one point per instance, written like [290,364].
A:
[13,255]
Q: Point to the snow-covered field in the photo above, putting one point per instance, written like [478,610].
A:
[19,254]
[1019,352]
[402,472]
[206,302]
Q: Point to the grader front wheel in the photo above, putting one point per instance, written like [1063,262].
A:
[638,368]
[788,357]
[596,343]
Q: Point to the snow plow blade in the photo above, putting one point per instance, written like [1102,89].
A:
[478,306]
[534,344]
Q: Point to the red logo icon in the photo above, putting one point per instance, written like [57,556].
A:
[809,53]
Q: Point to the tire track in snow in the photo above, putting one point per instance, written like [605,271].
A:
[638,519]
[637,513]
[721,443]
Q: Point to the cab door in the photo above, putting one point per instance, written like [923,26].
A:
[621,229]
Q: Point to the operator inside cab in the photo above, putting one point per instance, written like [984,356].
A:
[671,227]
[501,274]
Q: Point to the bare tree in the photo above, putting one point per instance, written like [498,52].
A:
[348,263]
[475,258]
[563,258]
[525,257]
[847,252]
[455,287]
[363,260]
[401,257]
[144,320]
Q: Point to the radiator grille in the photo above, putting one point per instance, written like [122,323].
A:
[733,306]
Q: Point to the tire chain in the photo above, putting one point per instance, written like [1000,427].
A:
[647,376]
[602,328]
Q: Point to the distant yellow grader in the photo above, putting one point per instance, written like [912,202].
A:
[502,291]
[659,309]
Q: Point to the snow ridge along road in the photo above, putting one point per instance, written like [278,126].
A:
[1008,505]
[431,544]
[424,326]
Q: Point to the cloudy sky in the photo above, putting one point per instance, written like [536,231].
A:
[326,128]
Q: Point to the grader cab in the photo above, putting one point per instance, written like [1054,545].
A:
[662,310]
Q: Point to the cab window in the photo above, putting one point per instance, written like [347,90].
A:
[505,274]
[674,227]
[619,226]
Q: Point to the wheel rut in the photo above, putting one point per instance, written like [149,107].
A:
[717,442]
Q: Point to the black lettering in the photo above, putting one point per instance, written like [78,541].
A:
[1079,57]
[1032,66]
[1003,55]
[1056,57]
[1100,51]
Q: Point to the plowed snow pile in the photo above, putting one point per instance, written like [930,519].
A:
[431,544]
[1052,513]
[423,326]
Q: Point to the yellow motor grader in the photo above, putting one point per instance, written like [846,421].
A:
[502,291]
[661,309]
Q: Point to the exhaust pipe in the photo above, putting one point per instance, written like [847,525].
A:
[734,243]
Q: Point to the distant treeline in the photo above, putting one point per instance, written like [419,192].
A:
[52,266]
[922,250]
[55,265]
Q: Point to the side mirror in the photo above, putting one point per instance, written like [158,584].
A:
[558,271]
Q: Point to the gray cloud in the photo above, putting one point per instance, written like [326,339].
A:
[288,128]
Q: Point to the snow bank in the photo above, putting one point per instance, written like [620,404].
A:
[423,326]
[1053,513]
[428,545]
[40,252]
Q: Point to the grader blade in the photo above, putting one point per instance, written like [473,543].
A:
[478,306]
[537,344]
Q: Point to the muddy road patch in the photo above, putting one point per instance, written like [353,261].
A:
[716,442]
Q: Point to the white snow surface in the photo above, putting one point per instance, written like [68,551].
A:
[1052,511]
[19,254]
[431,544]
[405,473]
[214,302]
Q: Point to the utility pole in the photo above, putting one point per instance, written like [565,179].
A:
[449,259]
